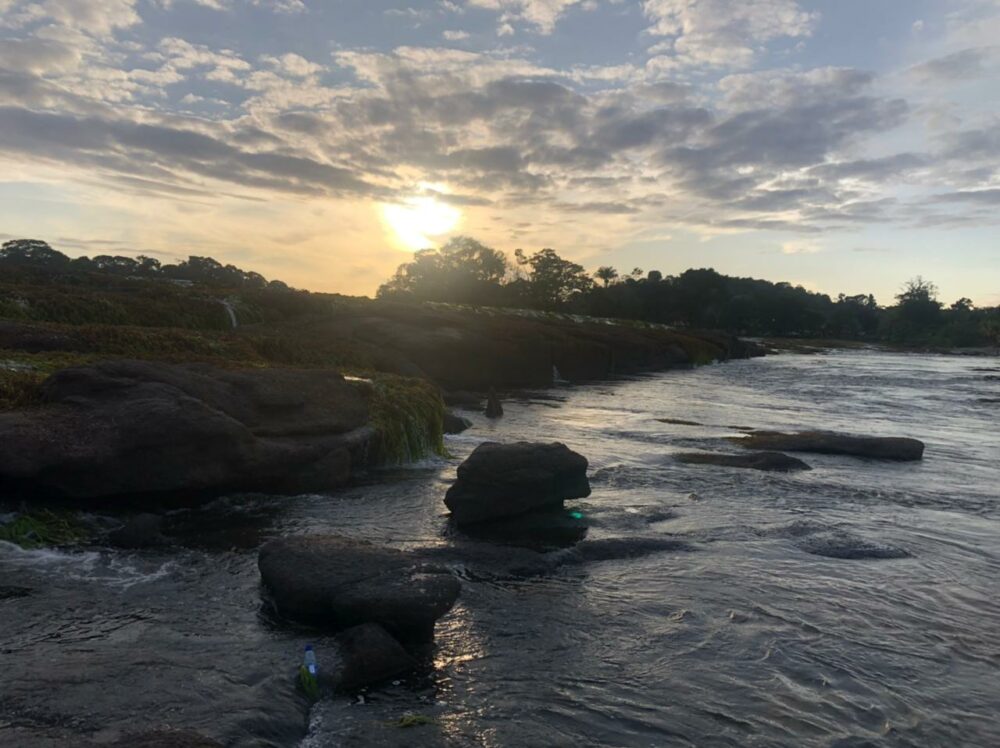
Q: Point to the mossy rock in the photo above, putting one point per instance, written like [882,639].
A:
[44,528]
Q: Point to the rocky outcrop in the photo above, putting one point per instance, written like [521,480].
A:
[494,409]
[134,428]
[773,461]
[336,583]
[140,531]
[844,545]
[830,442]
[541,530]
[505,480]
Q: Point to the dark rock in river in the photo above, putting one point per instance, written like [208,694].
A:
[140,531]
[369,655]
[504,480]
[775,461]
[829,442]
[454,424]
[12,592]
[548,528]
[121,429]
[336,582]
[847,546]
[493,407]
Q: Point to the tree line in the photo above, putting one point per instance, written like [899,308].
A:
[35,256]
[468,272]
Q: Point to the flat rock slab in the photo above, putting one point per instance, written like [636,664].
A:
[774,461]
[336,583]
[369,655]
[504,480]
[829,442]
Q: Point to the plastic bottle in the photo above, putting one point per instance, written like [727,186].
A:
[309,661]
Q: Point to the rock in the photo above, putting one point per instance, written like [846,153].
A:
[493,407]
[335,582]
[116,430]
[369,655]
[829,442]
[504,480]
[613,549]
[847,546]
[140,531]
[463,399]
[165,739]
[775,461]
[455,424]
[552,528]
[12,592]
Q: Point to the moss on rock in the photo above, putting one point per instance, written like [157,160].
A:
[43,528]
[408,418]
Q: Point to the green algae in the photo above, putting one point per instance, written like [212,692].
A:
[408,418]
[44,528]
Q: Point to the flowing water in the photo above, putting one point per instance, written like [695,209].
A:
[739,637]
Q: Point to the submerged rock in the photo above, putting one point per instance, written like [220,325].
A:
[121,429]
[847,546]
[775,461]
[369,655]
[830,442]
[337,583]
[504,480]
[140,531]
[454,424]
[166,738]
[552,528]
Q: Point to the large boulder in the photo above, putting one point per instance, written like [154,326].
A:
[504,480]
[830,442]
[336,583]
[773,461]
[120,429]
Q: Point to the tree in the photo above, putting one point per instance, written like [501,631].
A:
[607,274]
[463,270]
[552,279]
[32,253]
[654,276]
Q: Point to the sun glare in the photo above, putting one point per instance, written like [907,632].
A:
[419,221]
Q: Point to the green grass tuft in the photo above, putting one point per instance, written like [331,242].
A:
[408,418]
[413,720]
[44,529]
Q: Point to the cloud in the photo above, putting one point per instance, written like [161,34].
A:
[454,35]
[967,64]
[724,33]
[96,17]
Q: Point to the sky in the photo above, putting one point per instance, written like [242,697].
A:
[843,145]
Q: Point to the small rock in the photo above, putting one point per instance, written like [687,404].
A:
[829,442]
[774,461]
[454,424]
[370,655]
[140,531]
[493,407]
[847,546]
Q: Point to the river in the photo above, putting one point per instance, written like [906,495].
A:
[741,638]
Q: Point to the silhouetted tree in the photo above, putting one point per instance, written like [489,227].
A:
[606,274]
[552,279]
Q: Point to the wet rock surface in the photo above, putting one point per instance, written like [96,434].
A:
[118,430]
[774,461]
[336,583]
[848,546]
[553,528]
[504,480]
[368,656]
[830,442]
[455,424]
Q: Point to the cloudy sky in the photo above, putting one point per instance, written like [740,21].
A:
[845,145]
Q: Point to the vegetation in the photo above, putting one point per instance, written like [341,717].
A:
[696,299]
[408,418]
[43,529]
[413,720]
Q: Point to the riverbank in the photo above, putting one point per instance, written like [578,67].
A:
[815,345]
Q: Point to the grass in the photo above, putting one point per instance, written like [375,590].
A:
[408,418]
[412,720]
[43,528]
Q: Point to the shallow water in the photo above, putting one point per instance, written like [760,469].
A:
[742,639]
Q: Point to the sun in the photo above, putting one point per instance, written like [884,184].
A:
[418,220]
